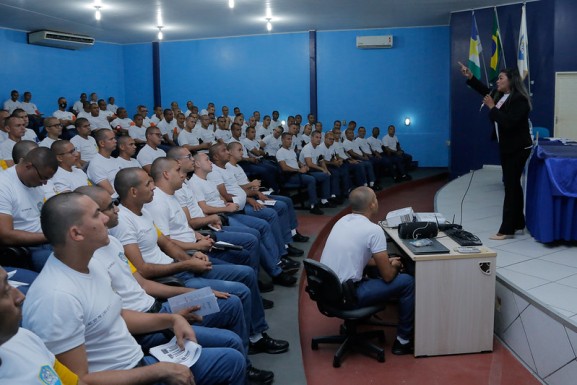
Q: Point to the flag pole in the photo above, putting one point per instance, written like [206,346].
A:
[481,53]
[500,37]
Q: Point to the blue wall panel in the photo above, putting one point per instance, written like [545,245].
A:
[52,72]
[261,73]
[378,87]
[138,77]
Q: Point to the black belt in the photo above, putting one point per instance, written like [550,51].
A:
[155,308]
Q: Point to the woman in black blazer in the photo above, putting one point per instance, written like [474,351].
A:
[509,106]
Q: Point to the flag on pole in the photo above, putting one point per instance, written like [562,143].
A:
[495,49]
[475,49]
[523,49]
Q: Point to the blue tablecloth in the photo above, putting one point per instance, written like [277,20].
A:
[551,205]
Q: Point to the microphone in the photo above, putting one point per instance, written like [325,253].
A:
[492,93]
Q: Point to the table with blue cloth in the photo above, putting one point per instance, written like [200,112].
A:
[551,193]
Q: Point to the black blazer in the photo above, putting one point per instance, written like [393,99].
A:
[512,119]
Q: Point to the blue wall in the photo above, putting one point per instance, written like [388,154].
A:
[263,73]
[378,87]
[52,72]
[138,77]
[471,142]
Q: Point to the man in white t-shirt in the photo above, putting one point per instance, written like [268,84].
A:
[126,150]
[205,132]
[122,123]
[380,164]
[354,151]
[103,168]
[104,111]
[394,151]
[188,137]
[355,243]
[137,131]
[142,110]
[84,143]
[275,122]
[151,150]
[222,132]
[34,114]
[167,126]
[96,119]
[340,177]
[310,157]
[111,106]
[73,308]
[21,198]
[13,103]
[53,129]
[79,104]
[68,177]
[272,142]
[66,118]
[15,128]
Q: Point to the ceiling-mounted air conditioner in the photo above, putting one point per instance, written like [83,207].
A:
[384,41]
[60,40]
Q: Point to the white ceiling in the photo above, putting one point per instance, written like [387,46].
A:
[135,21]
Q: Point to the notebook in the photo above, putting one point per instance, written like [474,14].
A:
[433,248]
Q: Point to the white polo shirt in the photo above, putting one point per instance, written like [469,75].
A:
[22,203]
[272,144]
[288,156]
[375,144]
[309,151]
[390,142]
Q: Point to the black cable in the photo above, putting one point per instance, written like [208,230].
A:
[464,195]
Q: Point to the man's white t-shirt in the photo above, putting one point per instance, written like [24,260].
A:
[309,151]
[186,137]
[147,155]
[251,145]
[124,123]
[87,147]
[10,105]
[64,115]
[6,149]
[46,142]
[352,242]
[223,176]
[25,360]
[67,309]
[223,135]
[390,142]
[375,144]
[363,145]
[101,168]
[206,191]
[167,127]
[186,198]
[140,230]
[123,163]
[136,132]
[272,144]
[327,152]
[69,180]
[169,217]
[351,145]
[288,156]
[97,122]
[22,203]
[123,282]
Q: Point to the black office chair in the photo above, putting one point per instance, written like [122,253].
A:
[337,300]
[15,256]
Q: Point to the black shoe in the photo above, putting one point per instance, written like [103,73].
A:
[293,251]
[258,376]
[300,238]
[316,210]
[268,345]
[267,303]
[407,177]
[284,279]
[397,179]
[376,187]
[328,205]
[265,287]
[338,200]
[400,349]
[289,266]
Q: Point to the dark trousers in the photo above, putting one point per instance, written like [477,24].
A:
[513,165]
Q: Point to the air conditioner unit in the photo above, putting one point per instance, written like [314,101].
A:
[384,41]
[60,40]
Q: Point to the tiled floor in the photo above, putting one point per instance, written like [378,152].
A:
[547,273]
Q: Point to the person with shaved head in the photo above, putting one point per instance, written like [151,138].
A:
[354,243]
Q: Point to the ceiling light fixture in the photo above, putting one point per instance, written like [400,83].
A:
[160,34]
[97,14]
[231,4]
[268,12]
[268,25]
[407,121]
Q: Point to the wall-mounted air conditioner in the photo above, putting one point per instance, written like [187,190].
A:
[60,40]
[384,41]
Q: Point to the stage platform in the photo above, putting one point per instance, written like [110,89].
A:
[536,293]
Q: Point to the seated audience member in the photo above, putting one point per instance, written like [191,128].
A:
[143,295]
[86,110]
[21,198]
[24,359]
[226,116]
[340,178]
[34,114]
[211,202]
[111,106]
[167,126]
[154,255]
[66,118]
[275,122]
[363,171]
[180,123]
[13,103]
[105,112]
[310,157]
[157,116]
[380,164]
[29,134]
[175,108]
[68,177]
[378,150]
[264,129]
[97,118]
[204,132]
[296,174]
[3,134]
[304,138]
[126,150]
[78,105]
[272,142]
[353,150]
[189,106]
[356,242]
[151,150]
[222,132]
[122,123]
[53,129]
[103,168]
[231,191]
[142,110]
[94,98]
[188,137]
[84,142]
[393,147]
[73,291]
[252,189]
[15,128]
[137,131]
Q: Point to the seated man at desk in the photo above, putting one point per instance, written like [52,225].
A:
[354,243]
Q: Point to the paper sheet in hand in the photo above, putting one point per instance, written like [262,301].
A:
[170,352]
[204,298]
[14,284]
[221,245]
[268,202]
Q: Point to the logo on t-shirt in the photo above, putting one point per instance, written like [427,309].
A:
[48,376]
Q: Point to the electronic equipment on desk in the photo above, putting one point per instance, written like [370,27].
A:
[462,237]
[396,217]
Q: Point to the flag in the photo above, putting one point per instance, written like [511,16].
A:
[475,50]
[495,49]
[522,51]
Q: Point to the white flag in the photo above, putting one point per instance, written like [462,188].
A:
[523,49]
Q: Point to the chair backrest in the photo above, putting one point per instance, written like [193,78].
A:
[324,286]
[543,132]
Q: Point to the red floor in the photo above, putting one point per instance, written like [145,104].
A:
[498,367]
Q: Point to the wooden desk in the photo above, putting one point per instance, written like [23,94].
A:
[454,299]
